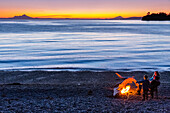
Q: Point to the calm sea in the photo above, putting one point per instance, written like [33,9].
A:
[84,45]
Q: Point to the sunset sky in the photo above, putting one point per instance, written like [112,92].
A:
[82,8]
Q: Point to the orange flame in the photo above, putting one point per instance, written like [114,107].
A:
[128,85]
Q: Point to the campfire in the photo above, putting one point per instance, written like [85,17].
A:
[127,87]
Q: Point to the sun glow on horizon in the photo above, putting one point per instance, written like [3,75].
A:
[81,8]
[33,14]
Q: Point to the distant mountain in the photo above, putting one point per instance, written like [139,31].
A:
[130,18]
[118,18]
[156,17]
[24,16]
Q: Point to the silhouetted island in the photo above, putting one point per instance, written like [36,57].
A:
[156,17]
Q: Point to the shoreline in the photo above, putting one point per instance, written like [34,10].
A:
[73,77]
[7,76]
[79,69]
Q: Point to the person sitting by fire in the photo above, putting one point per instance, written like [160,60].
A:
[146,86]
[154,86]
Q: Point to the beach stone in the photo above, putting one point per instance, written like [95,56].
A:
[90,92]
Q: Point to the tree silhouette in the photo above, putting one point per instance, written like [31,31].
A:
[156,16]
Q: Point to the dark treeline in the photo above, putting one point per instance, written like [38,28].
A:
[156,16]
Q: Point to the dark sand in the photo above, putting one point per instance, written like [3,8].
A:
[42,91]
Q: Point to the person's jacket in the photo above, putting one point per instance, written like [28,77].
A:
[154,84]
[145,84]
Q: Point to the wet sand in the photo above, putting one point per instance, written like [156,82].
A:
[83,91]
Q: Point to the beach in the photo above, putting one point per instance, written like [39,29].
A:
[76,91]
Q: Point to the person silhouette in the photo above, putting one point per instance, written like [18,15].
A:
[145,86]
[154,86]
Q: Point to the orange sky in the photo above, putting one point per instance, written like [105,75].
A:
[82,8]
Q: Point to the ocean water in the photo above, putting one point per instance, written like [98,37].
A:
[122,45]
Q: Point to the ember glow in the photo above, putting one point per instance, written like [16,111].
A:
[125,90]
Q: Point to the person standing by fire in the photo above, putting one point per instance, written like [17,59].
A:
[154,84]
[146,86]
[156,73]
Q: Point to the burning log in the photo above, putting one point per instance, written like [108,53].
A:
[121,77]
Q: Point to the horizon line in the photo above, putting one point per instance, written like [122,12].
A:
[50,17]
